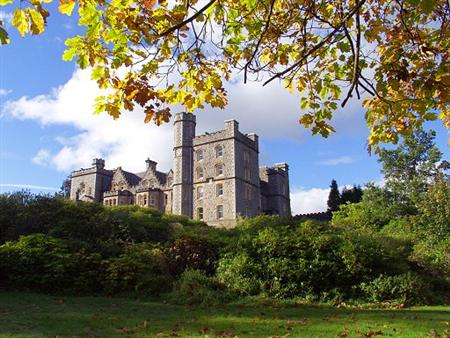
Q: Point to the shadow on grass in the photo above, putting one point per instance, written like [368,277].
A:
[30,315]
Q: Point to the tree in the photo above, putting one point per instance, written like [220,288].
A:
[352,195]
[334,197]
[413,165]
[65,187]
[155,54]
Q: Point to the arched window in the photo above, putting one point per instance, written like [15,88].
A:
[219,151]
[199,193]
[219,169]
[219,189]
[200,173]
[199,154]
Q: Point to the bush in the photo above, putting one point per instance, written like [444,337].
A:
[141,270]
[195,288]
[35,262]
[192,253]
[239,274]
[407,288]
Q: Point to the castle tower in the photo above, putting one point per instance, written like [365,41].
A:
[89,184]
[184,129]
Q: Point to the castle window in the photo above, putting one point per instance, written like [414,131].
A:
[199,193]
[219,189]
[248,192]
[199,155]
[152,200]
[219,212]
[200,213]
[219,151]
[246,157]
[247,175]
[219,169]
[200,173]
[145,200]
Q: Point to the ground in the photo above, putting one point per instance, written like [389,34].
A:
[32,315]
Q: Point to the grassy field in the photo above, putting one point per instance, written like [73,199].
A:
[32,315]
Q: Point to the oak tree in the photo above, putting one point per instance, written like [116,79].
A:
[392,54]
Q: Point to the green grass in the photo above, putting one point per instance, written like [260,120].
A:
[32,315]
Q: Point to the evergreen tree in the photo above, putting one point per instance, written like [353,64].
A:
[352,195]
[334,197]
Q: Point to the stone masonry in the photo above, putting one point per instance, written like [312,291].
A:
[215,178]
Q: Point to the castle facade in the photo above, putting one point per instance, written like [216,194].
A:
[215,178]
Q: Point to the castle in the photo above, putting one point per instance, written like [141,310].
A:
[215,178]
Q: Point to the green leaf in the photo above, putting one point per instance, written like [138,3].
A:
[66,6]
[20,21]
[427,5]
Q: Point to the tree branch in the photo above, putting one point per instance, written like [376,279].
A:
[188,20]
[355,75]
[259,40]
[317,46]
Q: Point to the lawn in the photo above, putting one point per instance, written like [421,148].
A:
[32,315]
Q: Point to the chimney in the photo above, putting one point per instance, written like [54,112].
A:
[150,164]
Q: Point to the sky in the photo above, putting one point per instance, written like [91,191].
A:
[47,128]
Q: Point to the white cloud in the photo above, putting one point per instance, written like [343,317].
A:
[304,201]
[336,161]
[269,111]
[43,157]
[127,141]
[27,186]
[4,92]
[6,17]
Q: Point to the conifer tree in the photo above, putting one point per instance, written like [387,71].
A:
[334,197]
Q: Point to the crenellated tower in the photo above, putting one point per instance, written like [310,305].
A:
[184,129]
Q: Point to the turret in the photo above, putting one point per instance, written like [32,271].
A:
[184,129]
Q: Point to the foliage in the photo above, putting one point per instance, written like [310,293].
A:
[310,259]
[84,248]
[353,195]
[195,288]
[334,197]
[412,166]
[36,262]
[392,53]
[376,209]
[192,253]
[140,269]
[407,288]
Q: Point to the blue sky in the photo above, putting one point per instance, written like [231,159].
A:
[47,129]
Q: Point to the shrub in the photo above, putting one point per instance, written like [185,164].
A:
[140,269]
[195,288]
[239,274]
[192,253]
[407,288]
[35,262]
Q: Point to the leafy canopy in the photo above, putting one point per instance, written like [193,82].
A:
[391,54]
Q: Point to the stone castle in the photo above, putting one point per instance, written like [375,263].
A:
[215,178]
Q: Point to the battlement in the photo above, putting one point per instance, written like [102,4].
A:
[231,131]
[184,117]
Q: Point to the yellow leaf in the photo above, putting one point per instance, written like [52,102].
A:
[20,21]
[37,21]
[5,2]
[66,6]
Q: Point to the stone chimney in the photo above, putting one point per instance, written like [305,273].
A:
[150,164]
